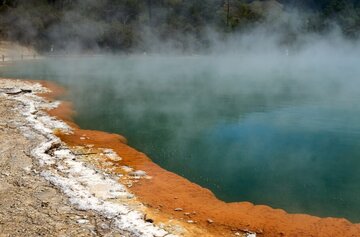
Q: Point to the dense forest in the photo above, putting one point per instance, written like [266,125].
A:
[127,25]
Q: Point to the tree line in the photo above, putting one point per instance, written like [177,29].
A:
[125,25]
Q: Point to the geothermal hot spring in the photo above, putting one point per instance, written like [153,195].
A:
[280,130]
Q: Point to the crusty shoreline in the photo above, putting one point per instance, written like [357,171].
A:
[97,195]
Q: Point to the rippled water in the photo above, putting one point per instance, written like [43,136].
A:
[285,133]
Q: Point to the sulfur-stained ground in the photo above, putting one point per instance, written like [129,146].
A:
[29,205]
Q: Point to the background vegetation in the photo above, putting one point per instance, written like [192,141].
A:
[127,25]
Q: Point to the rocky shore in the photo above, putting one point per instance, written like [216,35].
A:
[47,189]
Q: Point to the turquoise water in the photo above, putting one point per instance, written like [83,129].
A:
[282,132]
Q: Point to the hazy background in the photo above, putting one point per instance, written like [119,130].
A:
[184,26]
[256,100]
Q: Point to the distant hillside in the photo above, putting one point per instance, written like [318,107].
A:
[131,25]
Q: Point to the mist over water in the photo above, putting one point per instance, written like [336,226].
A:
[270,125]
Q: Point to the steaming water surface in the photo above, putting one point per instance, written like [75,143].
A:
[282,132]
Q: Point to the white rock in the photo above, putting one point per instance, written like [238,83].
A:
[127,169]
[112,155]
[82,221]
[250,235]
[138,173]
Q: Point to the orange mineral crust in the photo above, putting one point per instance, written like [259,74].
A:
[171,196]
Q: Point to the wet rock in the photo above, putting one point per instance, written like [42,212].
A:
[250,235]
[12,91]
[138,173]
[112,155]
[126,169]
[16,91]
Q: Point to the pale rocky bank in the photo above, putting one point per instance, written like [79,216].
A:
[47,189]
